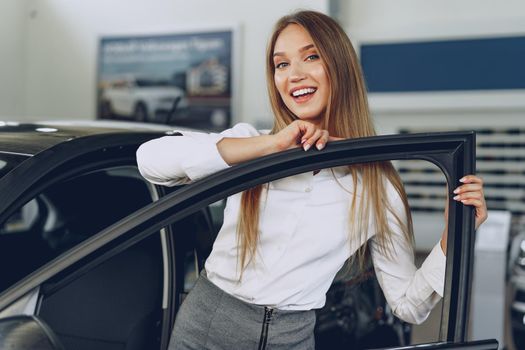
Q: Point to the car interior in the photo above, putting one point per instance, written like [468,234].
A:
[94,309]
[55,220]
[116,305]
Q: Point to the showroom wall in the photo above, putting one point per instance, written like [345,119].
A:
[61,47]
[49,51]
[383,21]
[12,54]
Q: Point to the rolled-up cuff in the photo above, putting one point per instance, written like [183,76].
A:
[206,158]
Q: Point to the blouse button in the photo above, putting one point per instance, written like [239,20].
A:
[308,189]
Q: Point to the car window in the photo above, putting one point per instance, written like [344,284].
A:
[9,161]
[356,313]
[452,152]
[65,214]
[202,228]
[114,305]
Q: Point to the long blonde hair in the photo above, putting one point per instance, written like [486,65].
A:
[347,115]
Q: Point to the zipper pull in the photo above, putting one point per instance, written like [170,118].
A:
[268,312]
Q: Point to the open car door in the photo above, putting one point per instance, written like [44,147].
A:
[452,152]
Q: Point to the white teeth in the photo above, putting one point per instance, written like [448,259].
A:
[301,92]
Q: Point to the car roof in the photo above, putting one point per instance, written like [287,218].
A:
[31,151]
[27,139]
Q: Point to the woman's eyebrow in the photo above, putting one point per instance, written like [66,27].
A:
[302,49]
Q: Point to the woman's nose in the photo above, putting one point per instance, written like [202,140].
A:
[296,73]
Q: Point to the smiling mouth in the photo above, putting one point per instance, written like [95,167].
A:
[302,92]
[303,95]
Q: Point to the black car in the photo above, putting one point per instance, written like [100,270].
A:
[94,257]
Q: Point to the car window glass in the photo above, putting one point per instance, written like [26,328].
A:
[426,189]
[9,161]
[65,214]
[116,304]
[356,314]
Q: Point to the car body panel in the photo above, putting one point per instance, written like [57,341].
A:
[32,150]
[32,138]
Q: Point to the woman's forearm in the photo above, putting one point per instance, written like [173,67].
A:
[238,150]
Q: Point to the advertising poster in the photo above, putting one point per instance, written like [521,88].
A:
[176,79]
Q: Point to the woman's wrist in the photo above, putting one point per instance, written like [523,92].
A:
[277,144]
[443,244]
[242,149]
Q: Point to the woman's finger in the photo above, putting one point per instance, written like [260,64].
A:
[307,131]
[313,139]
[469,188]
[481,213]
[478,203]
[321,142]
[471,179]
[468,195]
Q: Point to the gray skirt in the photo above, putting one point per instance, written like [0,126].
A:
[210,318]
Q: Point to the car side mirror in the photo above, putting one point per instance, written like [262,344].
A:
[27,333]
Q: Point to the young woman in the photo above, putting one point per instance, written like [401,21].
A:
[281,244]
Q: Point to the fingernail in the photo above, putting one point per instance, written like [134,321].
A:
[456,190]
[462,179]
[456,198]
[306,146]
[319,146]
[303,141]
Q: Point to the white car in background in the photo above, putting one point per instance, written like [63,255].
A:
[142,99]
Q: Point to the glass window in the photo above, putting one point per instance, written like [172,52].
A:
[9,161]
[65,214]
[356,314]
[114,305]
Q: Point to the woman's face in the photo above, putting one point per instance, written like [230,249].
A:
[300,76]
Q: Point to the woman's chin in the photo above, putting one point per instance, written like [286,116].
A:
[309,117]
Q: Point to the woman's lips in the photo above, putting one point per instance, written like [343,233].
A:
[305,94]
[304,98]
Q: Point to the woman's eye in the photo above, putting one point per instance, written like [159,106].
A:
[312,57]
[281,65]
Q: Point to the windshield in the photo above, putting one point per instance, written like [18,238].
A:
[9,161]
[152,82]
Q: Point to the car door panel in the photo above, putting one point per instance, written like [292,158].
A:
[471,345]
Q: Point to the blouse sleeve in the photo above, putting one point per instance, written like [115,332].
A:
[177,160]
[410,292]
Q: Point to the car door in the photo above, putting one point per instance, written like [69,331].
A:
[453,153]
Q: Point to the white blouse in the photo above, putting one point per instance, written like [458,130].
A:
[304,233]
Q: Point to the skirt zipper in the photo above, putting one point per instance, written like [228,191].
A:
[268,312]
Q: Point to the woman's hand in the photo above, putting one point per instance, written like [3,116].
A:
[302,133]
[470,193]
[235,150]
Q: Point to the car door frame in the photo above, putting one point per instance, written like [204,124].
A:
[452,152]
[55,163]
